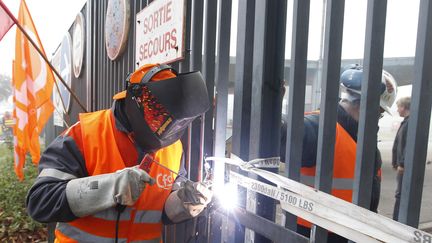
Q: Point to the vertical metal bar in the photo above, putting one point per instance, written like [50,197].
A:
[259,52]
[105,59]
[196,144]
[206,131]
[129,64]
[88,58]
[243,78]
[222,78]
[297,84]
[100,55]
[242,96]
[111,84]
[210,16]
[252,199]
[114,67]
[184,66]
[98,48]
[197,35]
[189,150]
[267,79]
[221,99]
[319,63]
[329,102]
[94,59]
[268,70]
[418,127]
[369,104]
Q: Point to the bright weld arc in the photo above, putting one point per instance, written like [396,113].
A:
[226,193]
[228,198]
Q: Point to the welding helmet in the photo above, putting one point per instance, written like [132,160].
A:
[160,104]
[351,81]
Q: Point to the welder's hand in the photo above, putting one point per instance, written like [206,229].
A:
[92,194]
[187,202]
[195,197]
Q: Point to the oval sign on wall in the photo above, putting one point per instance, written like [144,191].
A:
[59,111]
[116,27]
[65,69]
[78,44]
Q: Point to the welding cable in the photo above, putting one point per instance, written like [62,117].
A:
[120,208]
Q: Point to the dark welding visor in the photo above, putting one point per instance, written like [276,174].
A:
[185,97]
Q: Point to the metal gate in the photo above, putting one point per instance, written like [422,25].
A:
[259,73]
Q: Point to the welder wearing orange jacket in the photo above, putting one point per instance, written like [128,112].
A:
[89,179]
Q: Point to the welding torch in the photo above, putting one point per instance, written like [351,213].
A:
[148,160]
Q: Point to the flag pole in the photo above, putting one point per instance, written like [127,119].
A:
[43,56]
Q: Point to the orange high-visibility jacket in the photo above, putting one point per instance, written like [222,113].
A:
[343,169]
[139,223]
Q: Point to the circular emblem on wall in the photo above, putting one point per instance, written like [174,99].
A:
[78,44]
[65,69]
[116,27]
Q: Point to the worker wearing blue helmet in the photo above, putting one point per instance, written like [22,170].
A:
[348,113]
[351,80]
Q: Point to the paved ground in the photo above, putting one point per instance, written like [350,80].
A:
[388,186]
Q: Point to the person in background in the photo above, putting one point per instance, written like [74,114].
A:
[348,113]
[7,121]
[112,176]
[6,129]
[398,151]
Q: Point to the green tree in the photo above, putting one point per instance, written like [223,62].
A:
[5,87]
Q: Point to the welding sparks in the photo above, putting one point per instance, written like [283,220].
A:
[228,196]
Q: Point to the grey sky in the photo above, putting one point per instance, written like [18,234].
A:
[401,27]
[52,19]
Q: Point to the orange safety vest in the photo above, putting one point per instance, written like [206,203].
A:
[343,169]
[143,221]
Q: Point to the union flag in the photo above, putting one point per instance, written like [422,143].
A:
[32,82]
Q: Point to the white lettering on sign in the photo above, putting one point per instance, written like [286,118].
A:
[273,192]
[272,162]
[422,237]
[343,218]
[159,32]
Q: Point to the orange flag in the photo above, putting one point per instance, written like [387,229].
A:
[33,82]
[5,21]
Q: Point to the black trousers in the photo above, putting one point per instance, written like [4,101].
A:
[399,178]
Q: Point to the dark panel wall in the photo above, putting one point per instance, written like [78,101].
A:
[80,89]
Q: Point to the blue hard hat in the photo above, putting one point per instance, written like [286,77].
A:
[351,80]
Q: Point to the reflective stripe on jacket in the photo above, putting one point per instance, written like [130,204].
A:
[139,223]
[343,169]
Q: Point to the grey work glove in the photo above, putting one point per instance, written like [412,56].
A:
[89,195]
[187,202]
